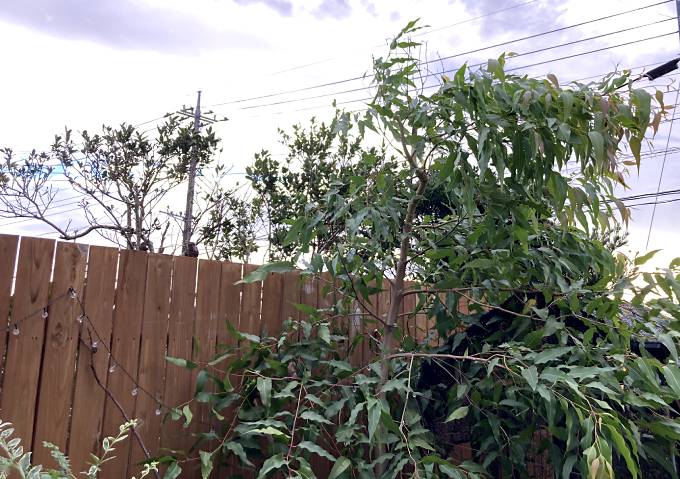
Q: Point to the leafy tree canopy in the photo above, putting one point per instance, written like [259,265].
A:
[467,207]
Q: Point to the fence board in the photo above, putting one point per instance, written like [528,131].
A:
[125,351]
[230,303]
[156,304]
[174,437]
[250,304]
[152,357]
[22,369]
[59,357]
[229,309]
[205,334]
[88,399]
[8,253]
[290,296]
[272,301]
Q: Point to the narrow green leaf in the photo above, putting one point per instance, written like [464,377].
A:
[261,273]
[173,471]
[531,375]
[182,363]
[646,257]
[672,374]
[340,466]
[238,450]
[188,416]
[206,464]
[459,413]
[314,416]
[374,409]
[272,464]
[316,449]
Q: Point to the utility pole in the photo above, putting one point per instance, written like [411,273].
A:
[195,114]
[191,185]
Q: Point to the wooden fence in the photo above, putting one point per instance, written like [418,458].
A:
[140,307]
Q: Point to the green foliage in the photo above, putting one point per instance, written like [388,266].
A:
[124,177]
[296,399]
[13,459]
[547,331]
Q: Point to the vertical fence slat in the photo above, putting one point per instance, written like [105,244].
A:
[88,400]
[230,303]
[20,386]
[272,301]
[125,352]
[290,296]
[152,357]
[59,358]
[174,437]
[205,337]
[250,304]
[8,252]
[229,310]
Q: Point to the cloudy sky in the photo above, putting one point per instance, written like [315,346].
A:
[82,63]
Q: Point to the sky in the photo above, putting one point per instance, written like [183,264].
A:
[83,63]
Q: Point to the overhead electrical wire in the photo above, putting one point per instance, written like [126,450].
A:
[663,166]
[429,75]
[425,31]
[363,76]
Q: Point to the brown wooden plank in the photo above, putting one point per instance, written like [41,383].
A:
[89,397]
[22,369]
[125,340]
[205,331]
[9,246]
[250,304]
[152,363]
[272,302]
[229,309]
[230,303]
[290,296]
[309,294]
[59,357]
[174,437]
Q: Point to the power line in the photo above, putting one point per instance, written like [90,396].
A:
[354,90]
[359,77]
[663,166]
[426,31]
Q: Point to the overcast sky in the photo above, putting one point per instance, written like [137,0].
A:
[81,63]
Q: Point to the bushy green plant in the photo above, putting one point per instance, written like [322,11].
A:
[546,357]
[13,459]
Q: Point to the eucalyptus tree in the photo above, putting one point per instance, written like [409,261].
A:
[544,356]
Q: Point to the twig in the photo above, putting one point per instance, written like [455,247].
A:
[133,429]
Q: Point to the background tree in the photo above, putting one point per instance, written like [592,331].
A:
[126,180]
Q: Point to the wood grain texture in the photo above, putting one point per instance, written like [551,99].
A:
[89,398]
[174,437]
[272,303]
[125,340]
[250,304]
[22,367]
[59,356]
[9,245]
[151,376]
